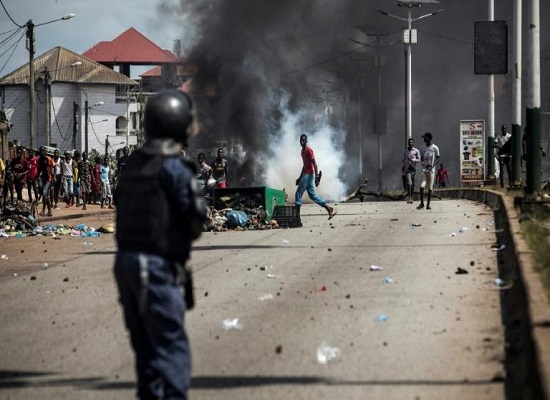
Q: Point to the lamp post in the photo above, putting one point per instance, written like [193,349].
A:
[30,46]
[409,37]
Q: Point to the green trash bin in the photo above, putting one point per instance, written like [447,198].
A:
[266,196]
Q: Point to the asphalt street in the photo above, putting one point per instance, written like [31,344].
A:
[286,313]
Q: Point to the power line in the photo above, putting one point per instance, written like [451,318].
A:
[9,16]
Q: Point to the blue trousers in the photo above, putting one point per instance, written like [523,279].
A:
[307,183]
[154,314]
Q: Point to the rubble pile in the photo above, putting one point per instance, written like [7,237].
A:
[251,214]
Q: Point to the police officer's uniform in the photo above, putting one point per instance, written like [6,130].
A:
[157,217]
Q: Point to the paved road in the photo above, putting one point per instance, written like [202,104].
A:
[61,334]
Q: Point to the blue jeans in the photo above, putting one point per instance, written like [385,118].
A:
[307,183]
[154,314]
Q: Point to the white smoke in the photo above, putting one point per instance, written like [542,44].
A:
[284,163]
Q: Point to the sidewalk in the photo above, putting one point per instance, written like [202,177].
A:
[73,212]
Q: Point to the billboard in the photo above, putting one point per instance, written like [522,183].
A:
[472,150]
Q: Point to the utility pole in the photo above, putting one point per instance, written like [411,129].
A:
[516,99]
[86,126]
[533,153]
[30,47]
[491,116]
[47,88]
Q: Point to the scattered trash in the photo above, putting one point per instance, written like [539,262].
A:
[463,230]
[452,234]
[45,266]
[229,324]
[415,225]
[321,289]
[326,353]
[375,268]
[387,280]
[15,274]
[461,271]
[286,241]
[279,349]
[265,297]
[3,233]
[4,257]
[87,243]
[382,318]
[499,282]
[497,247]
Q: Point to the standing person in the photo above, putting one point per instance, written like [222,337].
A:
[46,168]
[411,157]
[32,175]
[20,170]
[76,178]
[84,175]
[442,176]
[308,177]
[96,181]
[57,181]
[154,248]
[9,179]
[121,162]
[105,177]
[220,170]
[67,170]
[503,147]
[429,155]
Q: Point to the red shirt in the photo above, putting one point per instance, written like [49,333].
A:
[307,158]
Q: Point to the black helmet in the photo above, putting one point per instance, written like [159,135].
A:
[167,115]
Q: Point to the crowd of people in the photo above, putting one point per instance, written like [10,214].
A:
[73,180]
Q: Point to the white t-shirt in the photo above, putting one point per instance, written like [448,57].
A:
[429,154]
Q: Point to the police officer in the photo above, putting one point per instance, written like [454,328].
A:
[158,216]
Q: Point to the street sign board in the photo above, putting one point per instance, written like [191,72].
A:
[472,150]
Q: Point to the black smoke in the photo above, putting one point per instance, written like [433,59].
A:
[250,54]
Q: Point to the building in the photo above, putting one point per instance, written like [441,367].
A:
[89,101]
[79,103]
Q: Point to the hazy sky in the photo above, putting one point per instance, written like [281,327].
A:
[95,21]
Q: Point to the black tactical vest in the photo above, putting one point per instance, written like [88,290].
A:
[147,220]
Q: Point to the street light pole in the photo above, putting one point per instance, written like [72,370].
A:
[410,38]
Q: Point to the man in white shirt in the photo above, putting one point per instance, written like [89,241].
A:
[503,149]
[429,156]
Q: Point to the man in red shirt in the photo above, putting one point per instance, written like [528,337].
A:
[32,175]
[308,177]
[442,176]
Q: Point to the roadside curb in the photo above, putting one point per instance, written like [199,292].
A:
[45,220]
[536,313]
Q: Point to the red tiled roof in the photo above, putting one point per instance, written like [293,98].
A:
[183,70]
[130,47]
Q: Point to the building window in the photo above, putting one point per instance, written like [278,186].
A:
[121,126]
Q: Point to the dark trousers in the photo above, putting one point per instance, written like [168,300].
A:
[505,163]
[154,314]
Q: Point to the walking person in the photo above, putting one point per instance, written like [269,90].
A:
[220,170]
[411,157]
[154,239]
[76,178]
[442,176]
[67,170]
[429,156]
[503,147]
[96,181]
[309,176]
[46,168]
[105,177]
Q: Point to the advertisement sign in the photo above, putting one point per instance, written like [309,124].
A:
[472,150]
